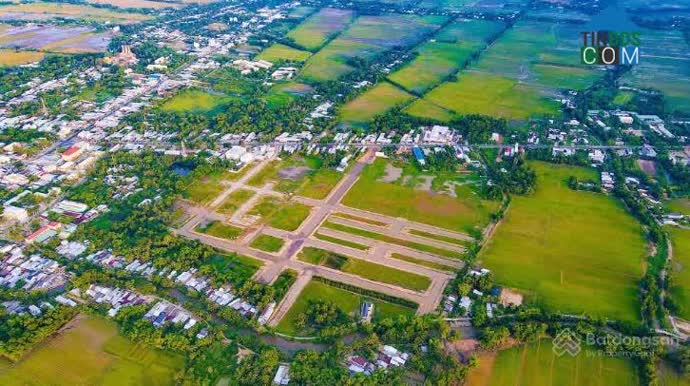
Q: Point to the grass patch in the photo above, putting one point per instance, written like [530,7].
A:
[93,353]
[278,52]
[235,200]
[422,108]
[365,269]
[425,263]
[347,301]
[535,364]
[359,219]
[679,205]
[571,251]
[194,100]
[218,229]
[10,57]
[202,188]
[375,101]
[319,27]
[680,274]
[285,215]
[232,268]
[267,243]
[434,236]
[336,240]
[459,214]
[316,181]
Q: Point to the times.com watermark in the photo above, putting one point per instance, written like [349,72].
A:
[610,47]
[568,342]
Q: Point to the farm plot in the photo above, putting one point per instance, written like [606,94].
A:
[664,66]
[400,198]
[55,39]
[346,300]
[278,52]
[320,27]
[570,251]
[92,353]
[10,57]
[450,49]
[146,4]
[367,37]
[536,364]
[520,75]
[375,101]
[680,274]
[47,11]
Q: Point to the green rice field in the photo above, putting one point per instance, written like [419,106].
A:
[278,52]
[680,273]
[679,205]
[345,300]
[92,353]
[569,251]
[535,364]
[375,101]
[320,27]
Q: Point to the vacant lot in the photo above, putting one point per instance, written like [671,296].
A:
[537,365]
[202,188]
[304,176]
[45,11]
[400,200]
[680,275]
[194,100]
[267,243]
[318,28]
[234,201]
[93,353]
[571,251]
[365,269]
[281,214]
[345,300]
[375,101]
[278,52]
[218,229]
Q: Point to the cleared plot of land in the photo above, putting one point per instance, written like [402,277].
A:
[449,51]
[280,214]
[234,201]
[193,100]
[346,243]
[425,263]
[375,101]
[367,37]
[304,176]
[46,11]
[434,236]
[136,4]
[396,199]
[11,57]
[536,365]
[234,269]
[680,274]
[267,243]
[202,188]
[93,353]
[278,52]
[360,219]
[218,229]
[664,66]
[318,28]
[571,251]
[345,300]
[365,269]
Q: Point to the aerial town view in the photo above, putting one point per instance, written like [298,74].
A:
[361,192]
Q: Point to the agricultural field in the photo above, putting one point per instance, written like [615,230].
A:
[194,100]
[549,246]
[679,205]
[670,376]
[448,51]
[281,214]
[220,230]
[320,27]
[365,269]
[267,243]
[49,38]
[536,364]
[280,52]
[368,36]
[519,75]
[146,4]
[405,197]
[422,108]
[41,11]
[10,57]
[92,353]
[375,101]
[345,300]
[680,274]
[663,66]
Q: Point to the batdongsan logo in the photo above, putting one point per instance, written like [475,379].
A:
[610,48]
[566,342]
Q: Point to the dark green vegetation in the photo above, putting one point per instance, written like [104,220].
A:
[365,269]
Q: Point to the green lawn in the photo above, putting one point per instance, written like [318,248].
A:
[285,215]
[365,269]
[346,300]
[93,353]
[680,276]
[235,200]
[536,364]
[193,100]
[278,52]
[425,263]
[375,101]
[267,243]
[569,251]
[218,229]
[346,243]
[459,214]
